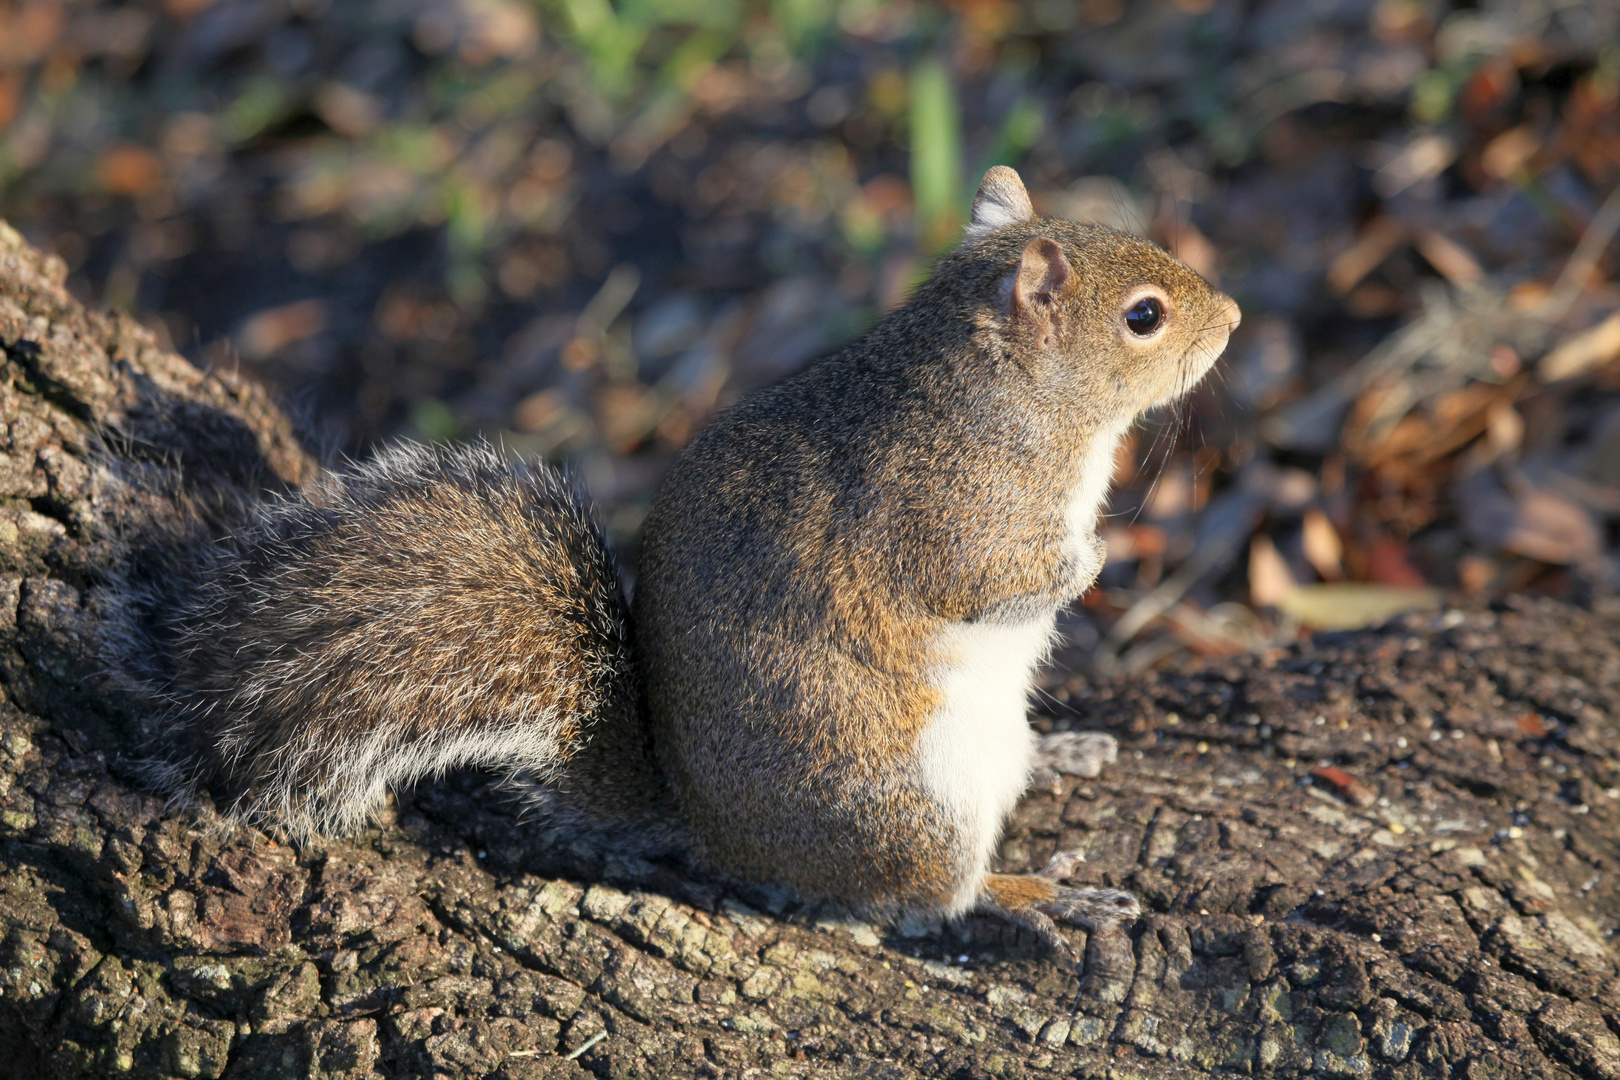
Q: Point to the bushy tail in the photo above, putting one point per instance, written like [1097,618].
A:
[431,609]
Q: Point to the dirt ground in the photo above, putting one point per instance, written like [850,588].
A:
[1388,853]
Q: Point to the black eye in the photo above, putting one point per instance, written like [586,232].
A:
[1144,316]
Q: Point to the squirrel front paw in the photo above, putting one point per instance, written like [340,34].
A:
[1077,753]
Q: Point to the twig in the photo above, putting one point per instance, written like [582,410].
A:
[1594,241]
[586,1045]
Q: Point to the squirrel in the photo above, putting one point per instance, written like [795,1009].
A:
[846,585]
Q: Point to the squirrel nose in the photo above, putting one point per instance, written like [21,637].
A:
[1229,314]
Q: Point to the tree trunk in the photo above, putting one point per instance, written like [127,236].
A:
[1392,854]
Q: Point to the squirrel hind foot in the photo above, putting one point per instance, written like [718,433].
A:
[1036,901]
[1094,909]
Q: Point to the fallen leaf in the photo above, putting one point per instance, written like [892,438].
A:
[128,170]
[1453,260]
[1352,606]
[1289,490]
[1269,577]
[1538,524]
[539,411]
[10,98]
[268,332]
[1504,431]
[1147,541]
[1376,243]
[350,112]
[1345,786]
[1323,548]
[1532,725]
[1192,248]
[1386,564]
[1476,572]
[1424,158]
[628,413]
[1583,352]
[1506,155]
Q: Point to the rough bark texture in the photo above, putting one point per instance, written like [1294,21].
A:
[1440,899]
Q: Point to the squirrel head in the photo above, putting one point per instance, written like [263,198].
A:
[1110,313]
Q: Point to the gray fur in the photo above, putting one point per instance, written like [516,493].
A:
[431,609]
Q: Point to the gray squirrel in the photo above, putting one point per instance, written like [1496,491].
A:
[846,585]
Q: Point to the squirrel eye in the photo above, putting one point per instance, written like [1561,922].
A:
[1144,316]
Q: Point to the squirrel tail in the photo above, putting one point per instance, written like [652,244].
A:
[431,609]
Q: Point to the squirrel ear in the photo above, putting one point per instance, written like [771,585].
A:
[1036,285]
[1042,272]
[1001,200]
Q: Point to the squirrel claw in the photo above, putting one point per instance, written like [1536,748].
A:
[1041,925]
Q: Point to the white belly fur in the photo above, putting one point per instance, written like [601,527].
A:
[975,754]
[1096,473]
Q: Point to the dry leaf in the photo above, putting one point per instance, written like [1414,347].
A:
[1147,541]
[10,98]
[1424,158]
[1345,786]
[1506,155]
[1287,489]
[539,411]
[1386,564]
[185,9]
[1504,431]
[129,170]
[1375,244]
[1345,606]
[1450,258]
[1476,572]
[1533,725]
[1538,524]
[1323,548]
[270,331]
[1584,351]
[347,111]
[628,413]
[1269,577]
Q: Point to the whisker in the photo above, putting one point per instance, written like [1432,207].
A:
[1147,462]
[1042,692]
[1175,224]
[1127,213]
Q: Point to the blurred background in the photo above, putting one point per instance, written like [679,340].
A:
[581,227]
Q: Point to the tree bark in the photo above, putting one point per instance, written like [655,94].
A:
[1389,854]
